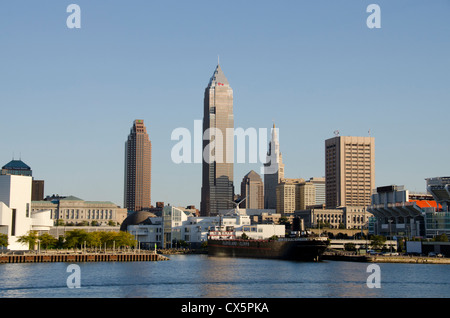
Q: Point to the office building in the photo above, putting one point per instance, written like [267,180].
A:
[273,171]
[306,195]
[319,184]
[138,157]
[217,170]
[287,196]
[252,190]
[349,171]
[20,168]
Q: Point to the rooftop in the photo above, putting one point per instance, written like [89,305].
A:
[16,165]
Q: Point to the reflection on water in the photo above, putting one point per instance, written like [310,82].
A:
[198,276]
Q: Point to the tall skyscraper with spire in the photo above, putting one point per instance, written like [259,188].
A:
[273,171]
[138,172]
[217,171]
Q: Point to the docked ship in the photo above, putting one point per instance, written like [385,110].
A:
[298,248]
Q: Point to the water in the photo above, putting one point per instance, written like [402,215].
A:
[200,276]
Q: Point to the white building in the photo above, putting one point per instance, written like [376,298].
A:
[176,225]
[16,218]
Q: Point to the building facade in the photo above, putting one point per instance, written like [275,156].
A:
[252,189]
[319,185]
[138,172]
[306,195]
[399,212]
[20,168]
[273,171]
[287,196]
[16,216]
[349,171]
[217,168]
[75,211]
[176,225]
[349,217]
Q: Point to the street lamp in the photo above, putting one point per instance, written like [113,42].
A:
[390,235]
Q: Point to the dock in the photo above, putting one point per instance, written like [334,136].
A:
[81,257]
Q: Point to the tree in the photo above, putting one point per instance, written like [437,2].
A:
[47,241]
[350,246]
[75,237]
[30,239]
[244,236]
[377,241]
[441,238]
[3,240]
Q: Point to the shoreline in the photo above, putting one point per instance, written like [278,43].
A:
[387,259]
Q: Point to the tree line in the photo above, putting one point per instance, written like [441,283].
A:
[76,238]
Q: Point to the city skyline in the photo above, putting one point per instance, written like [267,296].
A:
[312,69]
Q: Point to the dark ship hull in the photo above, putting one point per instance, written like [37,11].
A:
[299,249]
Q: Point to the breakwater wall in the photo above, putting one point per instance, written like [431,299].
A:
[82,257]
[386,259]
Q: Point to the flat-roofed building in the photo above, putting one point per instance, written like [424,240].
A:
[73,210]
[349,171]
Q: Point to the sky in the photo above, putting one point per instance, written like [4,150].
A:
[69,96]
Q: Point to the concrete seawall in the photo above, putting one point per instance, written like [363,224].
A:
[387,259]
[82,257]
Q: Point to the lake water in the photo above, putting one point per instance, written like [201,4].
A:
[201,276]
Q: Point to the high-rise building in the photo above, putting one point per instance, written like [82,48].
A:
[20,168]
[306,195]
[217,179]
[138,157]
[287,194]
[17,167]
[273,171]
[319,184]
[349,171]
[252,189]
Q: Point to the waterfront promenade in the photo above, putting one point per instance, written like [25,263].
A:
[74,257]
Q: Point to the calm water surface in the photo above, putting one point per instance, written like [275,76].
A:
[201,276]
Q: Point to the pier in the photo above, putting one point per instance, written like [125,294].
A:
[80,257]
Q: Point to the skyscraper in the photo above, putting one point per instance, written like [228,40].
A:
[252,189]
[273,171]
[20,168]
[217,179]
[349,171]
[138,157]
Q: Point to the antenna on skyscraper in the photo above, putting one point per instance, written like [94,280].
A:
[336,132]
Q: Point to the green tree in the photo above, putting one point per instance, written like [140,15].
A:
[3,240]
[350,247]
[441,238]
[124,239]
[30,239]
[47,241]
[377,241]
[75,238]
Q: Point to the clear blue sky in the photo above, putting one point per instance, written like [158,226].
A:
[68,97]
